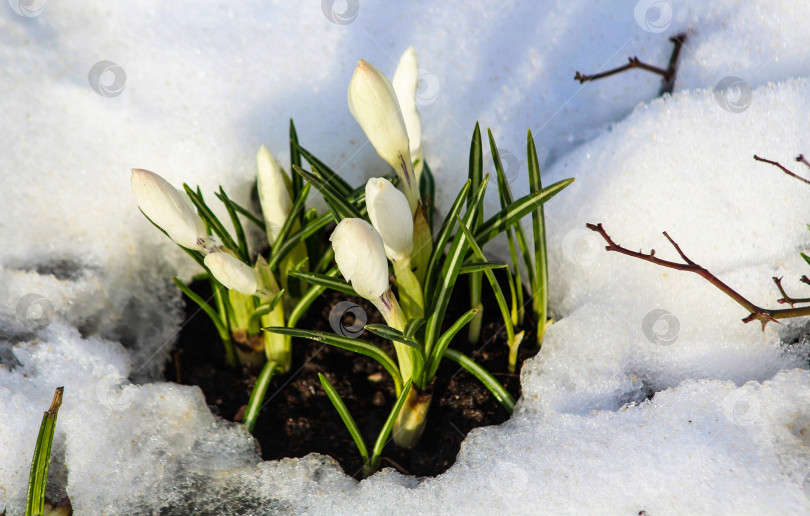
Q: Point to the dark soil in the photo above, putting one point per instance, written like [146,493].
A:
[299,419]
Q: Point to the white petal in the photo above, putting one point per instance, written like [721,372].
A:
[406,80]
[274,195]
[232,272]
[360,256]
[167,208]
[391,216]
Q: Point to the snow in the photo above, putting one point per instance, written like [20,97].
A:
[86,299]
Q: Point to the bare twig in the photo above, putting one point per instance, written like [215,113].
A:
[800,159]
[667,74]
[787,299]
[763,315]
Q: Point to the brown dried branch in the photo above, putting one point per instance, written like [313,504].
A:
[667,74]
[763,315]
[800,159]
[785,298]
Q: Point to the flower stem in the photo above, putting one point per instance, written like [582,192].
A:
[410,423]
[395,317]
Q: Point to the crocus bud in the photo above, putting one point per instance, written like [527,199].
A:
[232,272]
[274,195]
[391,216]
[167,208]
[406,79]
[360,256]
[374,105]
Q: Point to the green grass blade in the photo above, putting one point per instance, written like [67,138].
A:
[265,308]
[330,282]
[306,300]
[203,304]
[441,242]
[470,268]
[347,418]
[295,161]
[498,223]
[328,175]
[336,200]
[489,381]
[427,189]
[38,478]
[210,219]
[297,208]
[413,326]
[449,274]
[256,400]
[382,437]
[247,214]
[237,225]
[301,235]
[445,340]
[354,345]
[540,285]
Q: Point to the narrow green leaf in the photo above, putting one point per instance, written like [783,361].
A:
[254,405]
[540,285]
[413,326]
[237,225]
[301,235]
[427,189]
[354,345]
[307,299]
[203,304]
[469,268]
[292,218]
[445,340]
[38,477]
[489,381]
[337,200]
[347,418]
[246,213]
[476,170]
[265,308]
[449,273]
[806,258]
[387,332]
[329,176]
[441,242]
[382,437]
[498,223]
[295,160]
[330,282]
[208,216]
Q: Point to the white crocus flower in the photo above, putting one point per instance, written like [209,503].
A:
[167,207]
[360,256]
[405,82]
[391,216]
[274,195]
[232,272]
[374,105]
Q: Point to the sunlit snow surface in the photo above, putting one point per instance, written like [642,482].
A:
[728,428]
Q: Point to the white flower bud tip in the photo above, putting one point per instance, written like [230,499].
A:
[166,206]
[406,80]
[232,272]
[274,195]
[360,256]
[391,216]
